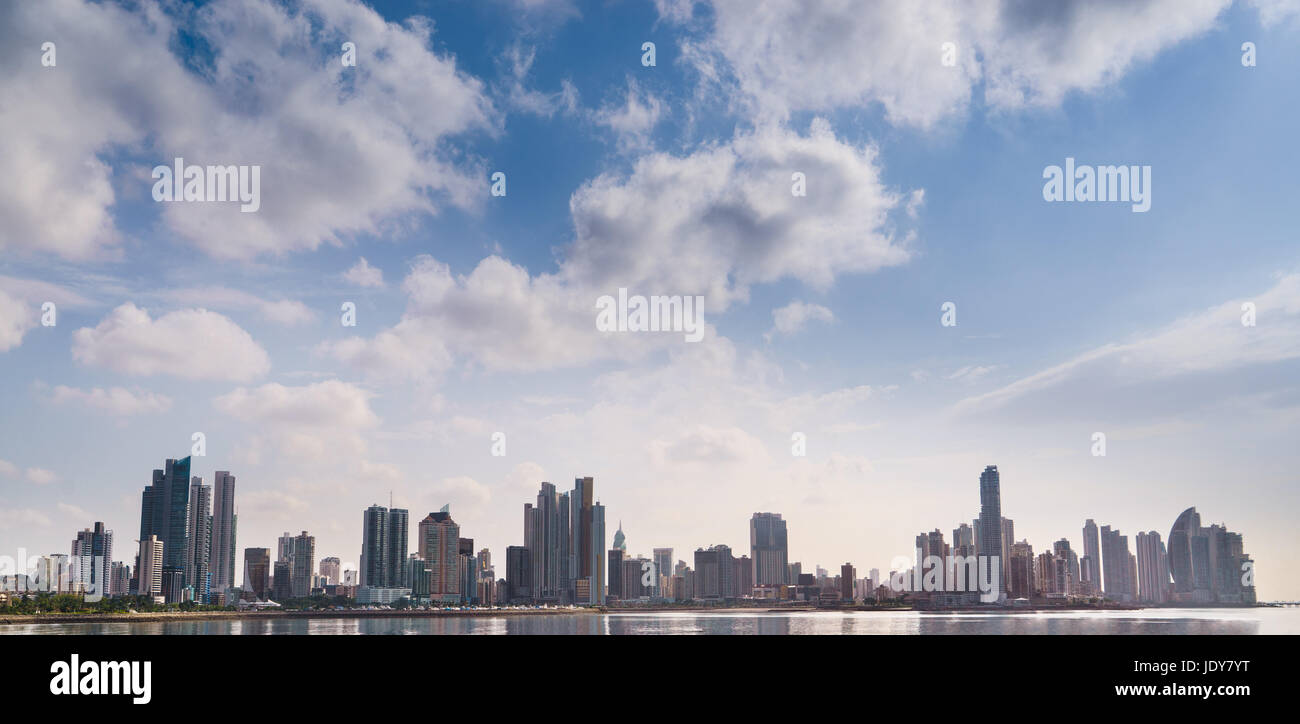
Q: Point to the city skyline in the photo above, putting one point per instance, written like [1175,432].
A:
[434,297]
[1208,565]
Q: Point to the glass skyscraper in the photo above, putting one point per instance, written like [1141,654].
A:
[990,535]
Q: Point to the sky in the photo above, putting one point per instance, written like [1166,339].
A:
[475,313]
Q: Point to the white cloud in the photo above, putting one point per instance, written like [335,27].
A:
[461,490]
[970,373]
[712,223]
[794,316]
[1186,351]
[789,55]
[364,275]
[285,312]
[8,469]
[15,319]
[1272,12]
[115,400]
[41,476]
[632,119]
[725,217]
[288,312]
[316,422]
[343,151]
[192,344]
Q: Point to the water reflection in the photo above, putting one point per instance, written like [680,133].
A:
[733,623]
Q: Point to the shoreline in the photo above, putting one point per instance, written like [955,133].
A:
[160,617]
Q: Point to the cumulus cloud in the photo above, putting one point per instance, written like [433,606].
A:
[632,119]
[710,223]
[794,316]
[320,421]
[789,55]
[364,275]
[193,344]
[725,217]
[342,151]
[115,400]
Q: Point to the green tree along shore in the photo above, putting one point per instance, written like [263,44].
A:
[35,604]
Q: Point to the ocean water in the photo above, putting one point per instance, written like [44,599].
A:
[1150,621]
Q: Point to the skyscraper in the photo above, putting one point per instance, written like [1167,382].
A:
[223,531]
[597,543]
[1116,565]
[1091,557]
[165,512]
[374,546]
[198,554]
[990,544]
[1070,563]
[384,538]
[587,555]
[92,553]
[519,576]
[150,566]
[768,549]
[330,570]
[303,565]
[439,538]
[257,572]
[1152,568]
[663,558]
[542,536]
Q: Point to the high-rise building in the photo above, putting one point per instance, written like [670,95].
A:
[847,577]
[1091,558]
[284,547]
[1152,568]
[1070,563]
[519,575]
[439,538]
[598,572]
[663,558]
[384,538]
[1208,564]
[768,549]
[223,531]
[616,573]
[199,553]
[1020,570]
[542,536]
[715,573]
[330,569]
[744,576]
[92,553]
[257,572]
[165,513]
[149,569]
[303,565]
[1116,566]
[120,577]
[282,581]
[990,522]
[587,556]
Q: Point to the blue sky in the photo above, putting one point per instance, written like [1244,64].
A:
[925,186]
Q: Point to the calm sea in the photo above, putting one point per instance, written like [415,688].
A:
[1153,621]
